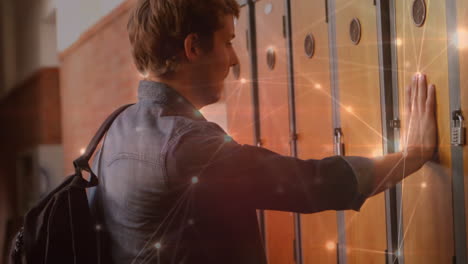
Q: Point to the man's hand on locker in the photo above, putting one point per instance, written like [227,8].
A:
[419,139]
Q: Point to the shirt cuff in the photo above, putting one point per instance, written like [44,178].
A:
[363,169]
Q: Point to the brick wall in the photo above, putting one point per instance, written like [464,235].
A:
[97,75]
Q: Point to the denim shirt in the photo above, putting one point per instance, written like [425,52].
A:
[175,188]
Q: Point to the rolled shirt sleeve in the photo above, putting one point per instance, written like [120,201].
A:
[206,159]
[364,171]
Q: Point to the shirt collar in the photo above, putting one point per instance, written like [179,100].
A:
[163,94]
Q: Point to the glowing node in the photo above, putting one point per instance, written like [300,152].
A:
[318,86]
[98,227]
[331,245]
[399,42]
[349,109]
[462,39]
[144,74]
[82,151]
[198,113]
[377,153]
[195,180]
[407,64]
[423,185]
[157,245]
[191,222]
[243,81]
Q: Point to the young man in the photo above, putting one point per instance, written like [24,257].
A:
[174,188]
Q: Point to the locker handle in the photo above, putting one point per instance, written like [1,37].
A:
[458,130]
[339,146]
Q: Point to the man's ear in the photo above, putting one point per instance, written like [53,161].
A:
[192,47]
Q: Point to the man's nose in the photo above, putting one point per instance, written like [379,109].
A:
[234,59]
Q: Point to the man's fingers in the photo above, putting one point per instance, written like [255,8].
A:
[414,92]
[408,100]
[422,92]
[430,101]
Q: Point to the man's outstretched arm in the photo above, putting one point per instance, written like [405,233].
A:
[418,141]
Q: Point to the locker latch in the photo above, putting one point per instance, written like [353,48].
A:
[339,146]
[293,137]
[395,123]
[458,130]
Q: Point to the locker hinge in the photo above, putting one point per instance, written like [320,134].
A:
[284,26]
[326,11]
[458,129]
[293,137]
[339,145]
[338,253]
[396,123]
[294,250]
[247,40]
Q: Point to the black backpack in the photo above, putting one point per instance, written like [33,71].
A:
[60,228]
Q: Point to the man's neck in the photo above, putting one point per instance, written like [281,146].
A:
[182,87]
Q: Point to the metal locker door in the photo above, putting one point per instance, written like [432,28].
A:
[426,195]
[238,87]
[361,121]
[462,15]
[313,118]
[274,116]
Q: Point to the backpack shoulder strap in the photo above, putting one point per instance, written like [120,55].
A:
[82,163]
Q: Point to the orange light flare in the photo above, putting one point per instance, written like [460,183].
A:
[423,185]
[377,153]
[243,81]
[462,38]
[399,42]
[318,86]
[331,245]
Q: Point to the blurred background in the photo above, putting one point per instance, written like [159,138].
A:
[316,78]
